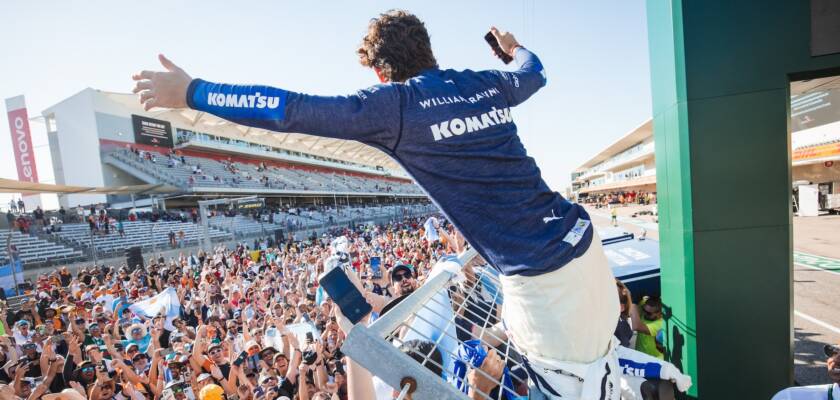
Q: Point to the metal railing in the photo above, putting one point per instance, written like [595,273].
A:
[429,314]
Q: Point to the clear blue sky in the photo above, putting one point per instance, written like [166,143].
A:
[595,54]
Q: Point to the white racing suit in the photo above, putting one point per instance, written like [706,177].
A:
[581,381]
[563,323]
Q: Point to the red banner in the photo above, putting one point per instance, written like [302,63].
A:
[21,139]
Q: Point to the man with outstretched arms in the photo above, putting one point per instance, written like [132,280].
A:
[454,132]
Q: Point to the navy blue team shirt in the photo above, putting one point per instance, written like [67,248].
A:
[453,132]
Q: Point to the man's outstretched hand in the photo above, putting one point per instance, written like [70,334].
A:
[166,89]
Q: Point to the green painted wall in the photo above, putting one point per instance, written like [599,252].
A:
[720,76]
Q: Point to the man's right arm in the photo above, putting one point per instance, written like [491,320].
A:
[521,84]
[518,85]
[371,115]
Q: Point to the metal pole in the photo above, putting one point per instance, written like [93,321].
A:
[205,234]
[93,248]
[152,235]
[202,207]
[262,228]
[12,258]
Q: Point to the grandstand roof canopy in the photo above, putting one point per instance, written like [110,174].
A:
[13,186]
[628,185]
[636,135]
[346,150]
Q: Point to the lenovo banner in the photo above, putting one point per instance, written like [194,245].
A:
[21,139]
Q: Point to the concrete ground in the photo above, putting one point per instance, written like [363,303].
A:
[816,283]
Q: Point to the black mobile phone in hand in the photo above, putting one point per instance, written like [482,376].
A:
[494,44]
[241,359]
[350,301]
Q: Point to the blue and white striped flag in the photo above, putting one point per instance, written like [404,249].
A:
[165,302]
[431,233]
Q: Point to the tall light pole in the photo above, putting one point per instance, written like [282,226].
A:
[335,199]
[203,210]
[11,257]
[93,248]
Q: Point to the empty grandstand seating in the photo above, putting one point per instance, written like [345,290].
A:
[241,225]
[243,175]
[73,242]
[138,233]
[34,250]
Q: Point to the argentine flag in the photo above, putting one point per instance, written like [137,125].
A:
[165,303]
[431,233]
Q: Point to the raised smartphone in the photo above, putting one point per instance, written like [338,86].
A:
[349,300]
[494,44]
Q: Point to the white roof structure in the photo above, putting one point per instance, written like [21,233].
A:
[345,150]
[638,134]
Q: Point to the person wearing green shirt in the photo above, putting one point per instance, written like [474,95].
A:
[647,325]
[94,335]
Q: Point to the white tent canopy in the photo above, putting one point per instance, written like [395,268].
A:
[15,186]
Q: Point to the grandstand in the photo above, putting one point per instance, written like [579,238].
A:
[241,225]
[75,241]
[145,234]
[244,226]
[203,174]
[34,250]
[104,139]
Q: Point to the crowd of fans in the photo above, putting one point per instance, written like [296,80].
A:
[620,198]
[233,334]
[239,331]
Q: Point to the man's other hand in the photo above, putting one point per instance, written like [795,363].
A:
[506,40]
[166,89]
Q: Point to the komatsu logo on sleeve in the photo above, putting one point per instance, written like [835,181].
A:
[242,100]
[458,126]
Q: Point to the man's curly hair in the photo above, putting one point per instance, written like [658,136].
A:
[398,44]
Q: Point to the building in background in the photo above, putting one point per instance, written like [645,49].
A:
[92,134]
[626,166]
[629,166]
[815,142]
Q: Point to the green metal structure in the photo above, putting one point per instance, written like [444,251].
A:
[720,82]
